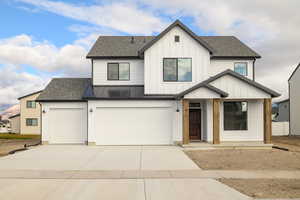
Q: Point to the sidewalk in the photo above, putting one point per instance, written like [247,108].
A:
[140,174]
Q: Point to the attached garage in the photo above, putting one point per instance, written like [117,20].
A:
[64,123]
[132,122]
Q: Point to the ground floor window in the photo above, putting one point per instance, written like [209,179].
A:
[235,115]
[31,122]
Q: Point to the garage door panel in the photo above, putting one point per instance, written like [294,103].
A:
[133,126]
[67,125]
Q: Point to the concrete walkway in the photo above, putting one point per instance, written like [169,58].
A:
[116,189]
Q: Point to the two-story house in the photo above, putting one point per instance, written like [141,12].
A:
[173,88]
[30,113]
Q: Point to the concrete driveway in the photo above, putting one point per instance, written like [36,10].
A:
[81,157]
[75,172]
[117,189]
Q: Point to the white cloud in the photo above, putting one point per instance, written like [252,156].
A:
[15,83]
[124,17]
[69,59]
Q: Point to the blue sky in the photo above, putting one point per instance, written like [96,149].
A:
[40,39]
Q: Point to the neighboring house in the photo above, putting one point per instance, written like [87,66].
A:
[15,123]
[30,113]
[4,126]
[174,88]
[294,88]
[283,113]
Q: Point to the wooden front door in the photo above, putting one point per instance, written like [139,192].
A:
[195,124]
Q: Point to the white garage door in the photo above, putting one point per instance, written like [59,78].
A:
[133,125]
[67,125]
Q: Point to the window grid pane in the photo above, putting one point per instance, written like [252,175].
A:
[235,115]
[241,68]
[184,69]
[124,71]
[170,69]
[113,71]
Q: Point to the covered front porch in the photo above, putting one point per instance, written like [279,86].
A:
[206,123]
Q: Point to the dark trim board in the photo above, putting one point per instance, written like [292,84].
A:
[113,57]
[30,94]
[183,27]
[61,100]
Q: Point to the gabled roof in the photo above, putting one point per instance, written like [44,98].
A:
[185,28]
[200,85]
[121,92]
[294,71]
[129,46]
[64,89]
[27,95]
[244,79]
[13,116]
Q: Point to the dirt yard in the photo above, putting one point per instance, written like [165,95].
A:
[9,142]
[246,159]
[266,188]
[292,143]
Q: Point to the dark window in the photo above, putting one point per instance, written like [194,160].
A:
[118,71]
[31,122]
[235,115]
[30,104]
[177,69]
[241,68]
[177,38]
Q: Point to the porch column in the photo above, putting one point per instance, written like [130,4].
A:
[216,121]
[186,121]
[267,121]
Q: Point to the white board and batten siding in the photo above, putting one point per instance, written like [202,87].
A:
[238,89]
[64,122]
[167,48]
[136,72]
[132,122]
[280,128]
[202,93]
[217,66]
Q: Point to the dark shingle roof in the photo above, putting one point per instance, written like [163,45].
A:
[132,92]
[229,46]
[64,89]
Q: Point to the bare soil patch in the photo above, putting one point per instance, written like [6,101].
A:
[246,159]
[266,188]
[292,143]
[7,145]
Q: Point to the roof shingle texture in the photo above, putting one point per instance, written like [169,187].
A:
[64,89]
[122,46]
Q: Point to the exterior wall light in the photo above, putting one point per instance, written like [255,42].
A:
[91,110]
[44,111]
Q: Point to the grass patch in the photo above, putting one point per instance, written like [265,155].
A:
[18,136]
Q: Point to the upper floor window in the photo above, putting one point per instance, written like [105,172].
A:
[177,69]
[31,122]
[235,115]
[241,68]
[118,71]
[177,38]
[30,104]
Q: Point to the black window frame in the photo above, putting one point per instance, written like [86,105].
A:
[242,63]
[177,38]
[27,104]
[247,116]
[118,63]
[30,120]
[177,69]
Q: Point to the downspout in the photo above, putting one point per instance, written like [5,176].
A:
[253,69]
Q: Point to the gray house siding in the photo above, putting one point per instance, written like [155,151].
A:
[294,88]
[283,111]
